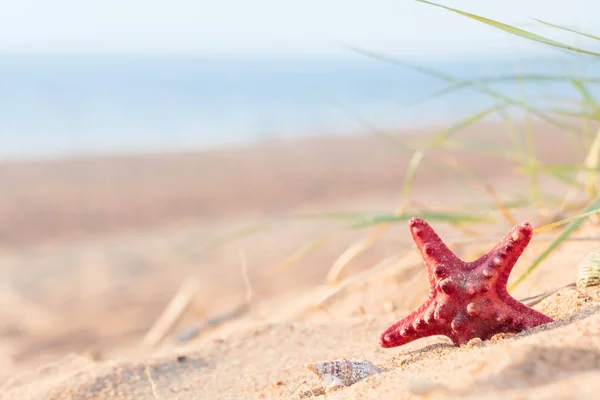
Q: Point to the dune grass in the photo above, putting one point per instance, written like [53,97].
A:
[523,152]
[589,110]
[520,32]
[575,120]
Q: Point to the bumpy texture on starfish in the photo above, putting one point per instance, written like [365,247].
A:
[467,299]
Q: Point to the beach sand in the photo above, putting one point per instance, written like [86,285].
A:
[93,250]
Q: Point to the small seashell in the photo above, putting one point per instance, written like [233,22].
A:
[589,270]
[342,372]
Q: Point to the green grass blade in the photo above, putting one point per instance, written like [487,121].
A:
[513,133]
[440,138]
[409,178]
[566,179]
[233,236]
[451,218]
[568,29]
[534,78]
[532,161]
[569,229]
[384,134]
[576,114]
[588,103]
[513,30]
[562,173]
[564,221]
[436,141]
[458,84]
[592,161]
[585,93]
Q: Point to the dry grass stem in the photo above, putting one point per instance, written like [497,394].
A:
[172,313]
[218,319]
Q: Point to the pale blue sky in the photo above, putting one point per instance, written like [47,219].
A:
[280,26]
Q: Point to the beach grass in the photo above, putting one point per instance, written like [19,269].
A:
[576,121]
[588,111]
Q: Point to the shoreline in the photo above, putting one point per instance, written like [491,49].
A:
[403,131]
[74,198]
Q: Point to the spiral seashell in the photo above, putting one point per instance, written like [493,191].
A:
[339,373]
[588,273]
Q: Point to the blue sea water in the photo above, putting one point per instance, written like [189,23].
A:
[56,105]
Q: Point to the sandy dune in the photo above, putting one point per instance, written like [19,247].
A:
[95,248]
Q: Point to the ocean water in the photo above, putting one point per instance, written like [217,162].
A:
[62,105]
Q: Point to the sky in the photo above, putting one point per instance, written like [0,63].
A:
[282,26]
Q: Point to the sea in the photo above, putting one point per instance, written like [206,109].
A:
[65,105]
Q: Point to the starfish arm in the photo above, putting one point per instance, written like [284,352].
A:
[435,253]
[519,314]
[505,254]
[420,323]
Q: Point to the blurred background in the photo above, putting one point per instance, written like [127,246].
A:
[123,77]
[146,143]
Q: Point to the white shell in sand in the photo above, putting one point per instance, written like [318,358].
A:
[342,372]
[589,270]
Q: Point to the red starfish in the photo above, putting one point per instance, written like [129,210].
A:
[467,299]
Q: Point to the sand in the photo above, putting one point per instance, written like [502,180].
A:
[94,249]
